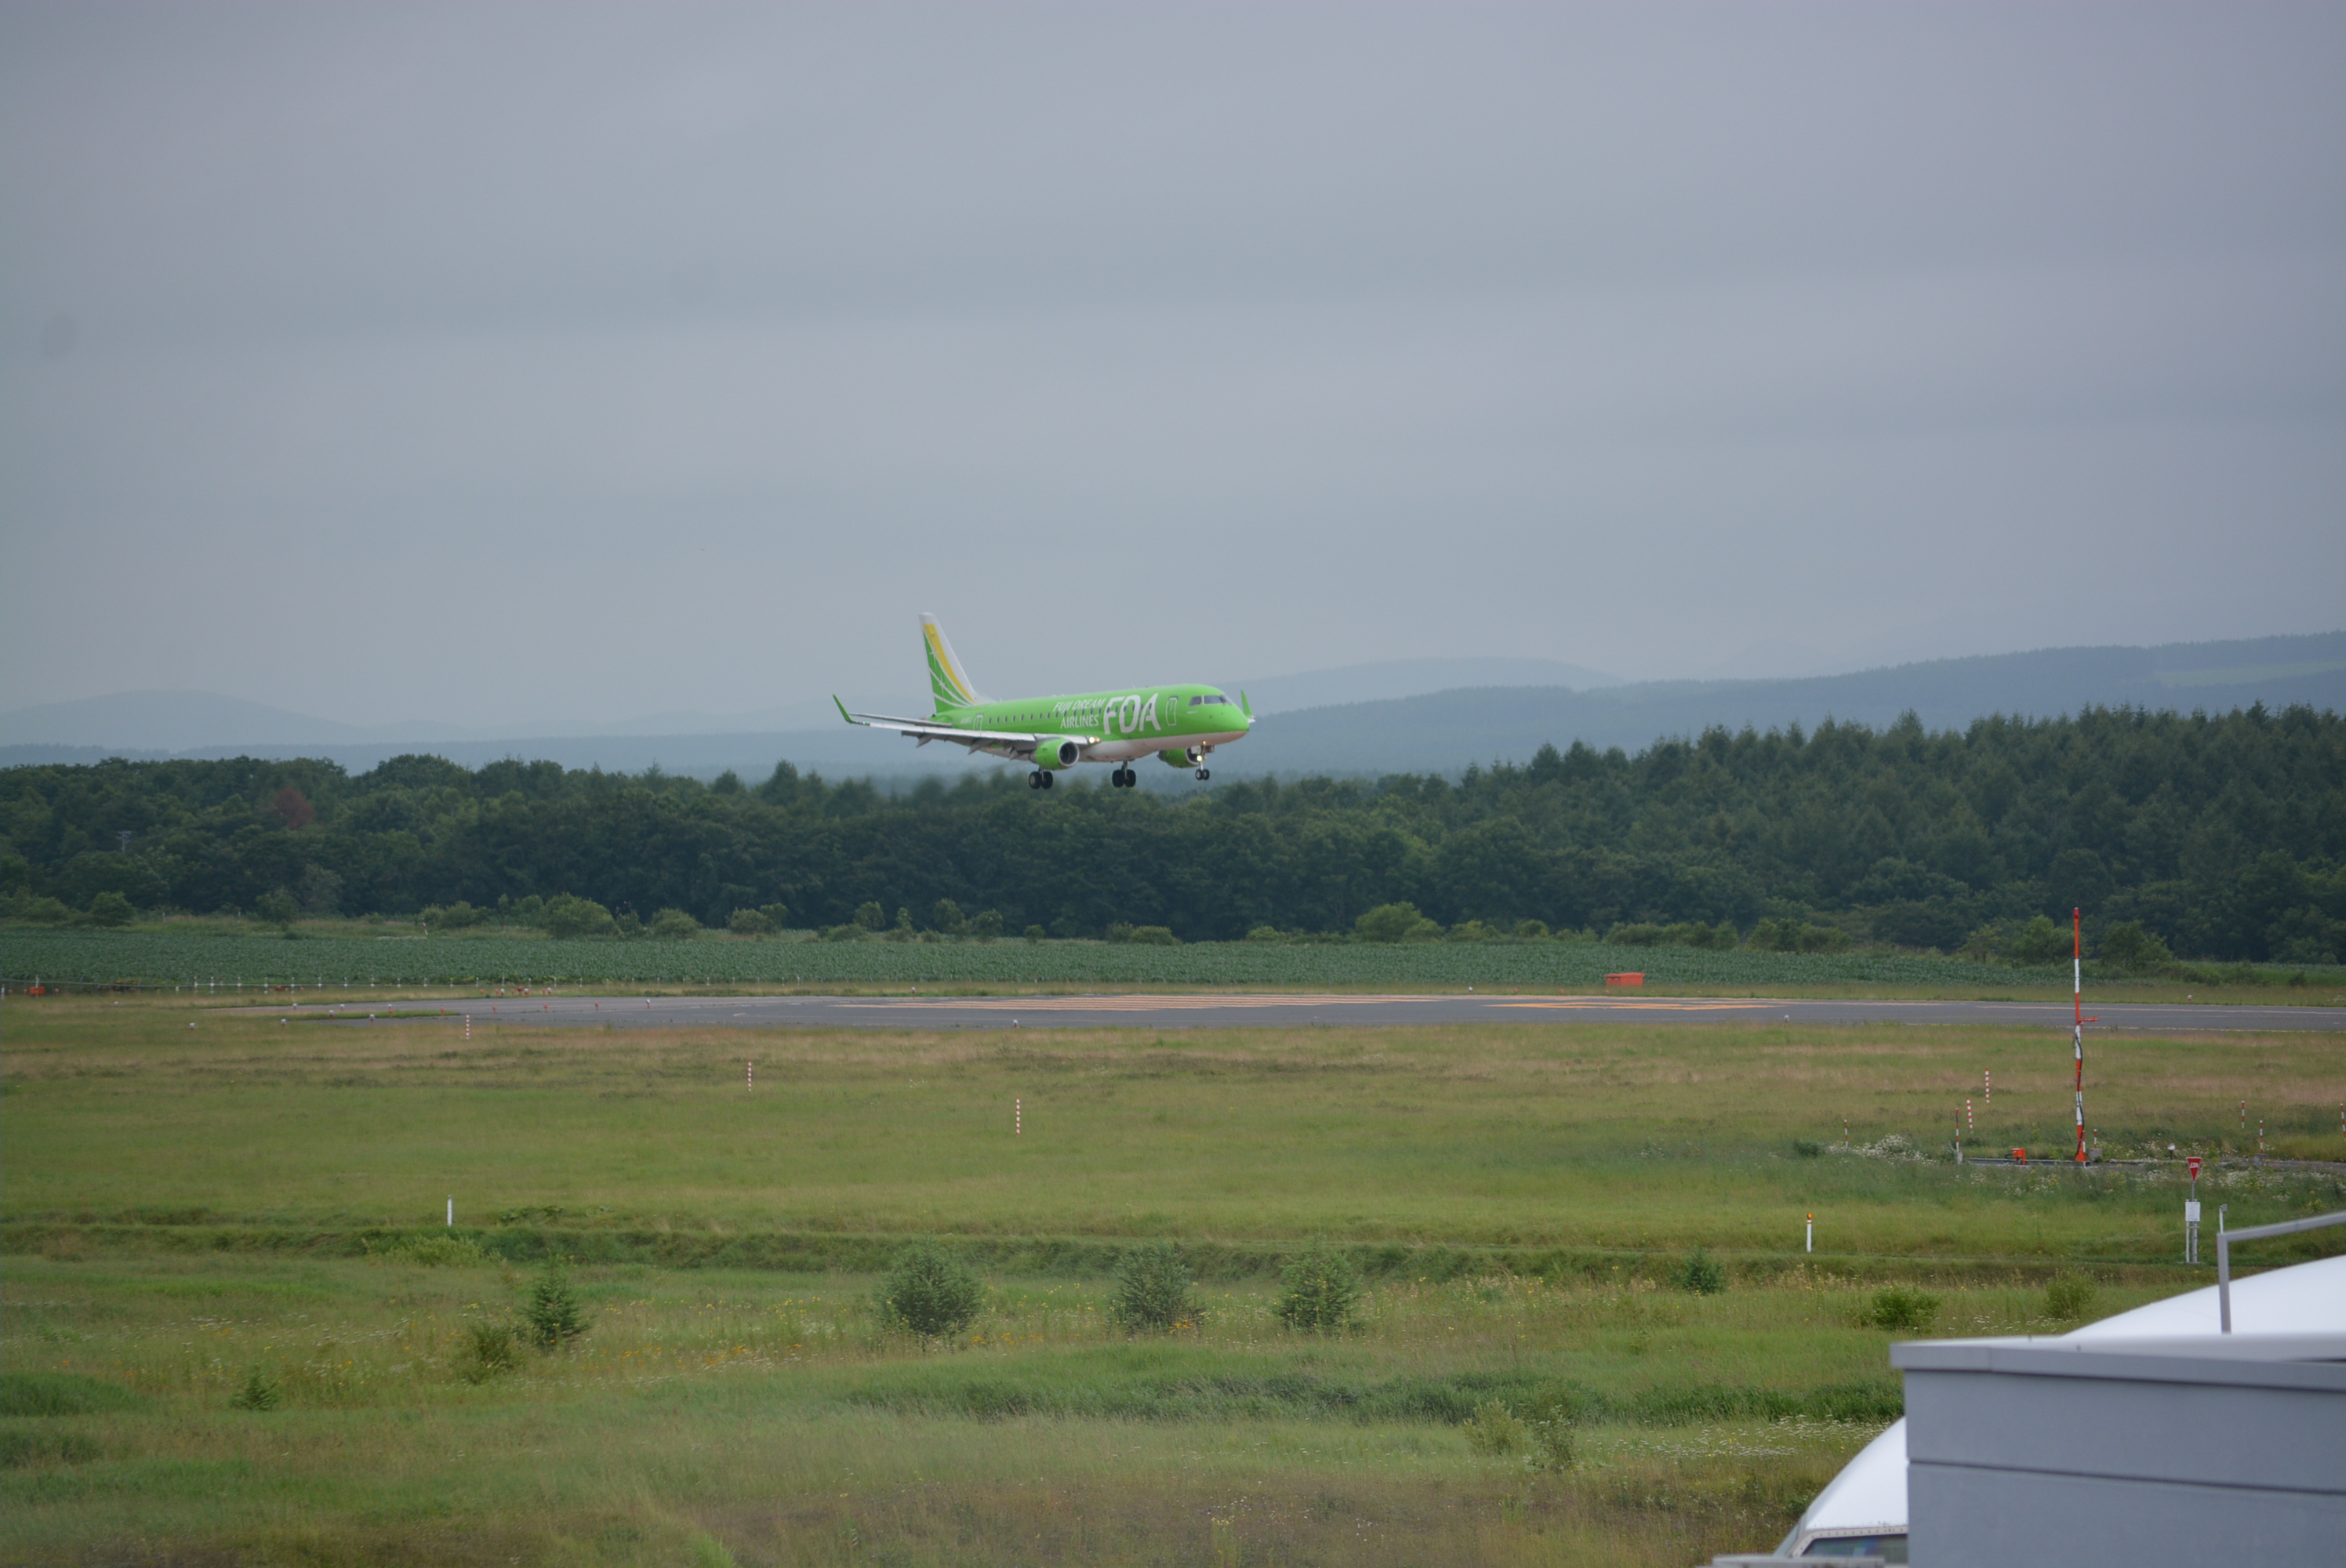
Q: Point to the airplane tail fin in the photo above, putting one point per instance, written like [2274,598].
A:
[947,680]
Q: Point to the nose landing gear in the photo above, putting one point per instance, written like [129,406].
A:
[1204,774]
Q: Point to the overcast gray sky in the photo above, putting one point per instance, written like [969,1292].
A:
[481,361]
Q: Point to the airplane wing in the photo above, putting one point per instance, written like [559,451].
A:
[1003,742]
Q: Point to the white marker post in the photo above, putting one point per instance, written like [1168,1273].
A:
[2191,1214]
[452,1212]
[1812,1233]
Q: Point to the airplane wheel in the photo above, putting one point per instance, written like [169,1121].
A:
[1124,778]
[1035,779]
[1047,780]
[1204,774]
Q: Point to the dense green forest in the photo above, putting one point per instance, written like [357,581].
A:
[2222,837]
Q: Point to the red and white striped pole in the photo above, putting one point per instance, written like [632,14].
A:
[1970,1124]
[468,1026]
[1987,1086]
[1017,1116]
[750,1070]
[2078,996]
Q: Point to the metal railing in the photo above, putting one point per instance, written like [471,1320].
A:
[2224,1240]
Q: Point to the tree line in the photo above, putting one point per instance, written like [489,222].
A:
[2214,837]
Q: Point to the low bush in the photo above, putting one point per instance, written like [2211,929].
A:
[929,1294]
[1321,1291]
[1495,1429]
[1702,1274]
[428,1251]
[750,923]
[552,1316]
[259,1393]
[672,925]
[109,909]
[2068,1297]
[567,916]
[491,1349]
[1152,1290]
[1902,1307]
[1808,1148]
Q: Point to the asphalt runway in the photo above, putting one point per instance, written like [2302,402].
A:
[1241,1010]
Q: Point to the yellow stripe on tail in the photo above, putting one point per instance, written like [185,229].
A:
[948,682]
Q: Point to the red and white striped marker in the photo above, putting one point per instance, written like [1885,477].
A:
[1018,1116]
[468,1026]
[1970,1125]
[752,1072]
[2078,996]
[1987,1080]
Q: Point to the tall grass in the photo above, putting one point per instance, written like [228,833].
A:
[191,1213]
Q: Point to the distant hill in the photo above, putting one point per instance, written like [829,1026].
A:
[1489,715]
[1412,677]
[1444,731]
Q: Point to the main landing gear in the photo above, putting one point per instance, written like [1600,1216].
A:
[1038,780]
[1124,778]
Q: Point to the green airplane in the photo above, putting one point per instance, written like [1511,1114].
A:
[1178,725]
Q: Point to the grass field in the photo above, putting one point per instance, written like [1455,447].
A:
[187,1208]
[356,954]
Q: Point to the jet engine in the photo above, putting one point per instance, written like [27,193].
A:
[1057,751]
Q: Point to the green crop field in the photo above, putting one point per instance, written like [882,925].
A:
[194,1214]
[218,961]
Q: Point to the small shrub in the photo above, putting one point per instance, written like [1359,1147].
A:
[277,907]
[570,917]
[2068,1297]
[1552,1442]
[1702,1274]
[672,925]
[491,1349]
[552,1316]
[1035,933]
[1532,930]
[110,910]
[2127,946]
[1495,1429]
[259,1393]
[1152,1288]
[1396,923]
[1808,1148]
[430,1251]
[1323,1291]
[1153,936]
[1901,1307]
[870,916]
[929,1294]
[986,925]
[750,923]
[1263,933]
